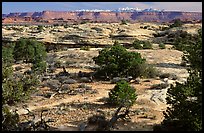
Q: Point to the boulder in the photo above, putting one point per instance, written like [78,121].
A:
[85,86]
[53,84]
[18,68]
[62,78]
[65,87]
[70,81]
[137,81]
[116,79]
[85,80]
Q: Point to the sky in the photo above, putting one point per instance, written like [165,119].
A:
[8,7]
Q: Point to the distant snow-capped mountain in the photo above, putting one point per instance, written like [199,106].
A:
[126,9]
[98,15]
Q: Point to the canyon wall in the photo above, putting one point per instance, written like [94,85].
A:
[77,16]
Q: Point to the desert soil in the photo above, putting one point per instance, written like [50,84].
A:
[68,111]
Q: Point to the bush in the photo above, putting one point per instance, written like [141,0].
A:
[177,23]
[122,94]
[7,54]
[116,61]
[39,67]
[164,75]
[150,71]
[124,22]
[10,119]
[16,91]
[162,46]
[87,48]
[30,51]
[40,28]
[137,44]
[183,39]
[147,45]
[184,112]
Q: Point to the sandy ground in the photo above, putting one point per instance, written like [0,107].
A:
[68,111]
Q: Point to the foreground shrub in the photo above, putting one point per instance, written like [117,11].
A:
[184,111]
[31,51]
[122,94]
[15,91]
[10,119]
[7,54]
[116,61]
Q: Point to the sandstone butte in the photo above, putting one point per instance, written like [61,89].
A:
[102,16]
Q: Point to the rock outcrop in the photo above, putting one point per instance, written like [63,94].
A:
[102,16]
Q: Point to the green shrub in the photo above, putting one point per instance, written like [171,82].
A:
[162,46]
[124,22]
[10,119]
[39,67]
[177,23]
[116,61]
[149,71]
[184,112]
[87,48]
[183,39]
[40,28]
[147,45]
[137,44]
[30,51]
[164,75]
[122,94]
[7,54]
[16,91]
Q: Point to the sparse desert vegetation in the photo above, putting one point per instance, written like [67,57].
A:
[68,83]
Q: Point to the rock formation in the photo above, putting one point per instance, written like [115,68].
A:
[100,16]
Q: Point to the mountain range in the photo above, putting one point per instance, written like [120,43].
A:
[129,14]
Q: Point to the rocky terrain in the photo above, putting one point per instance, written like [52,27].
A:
[93,34]
[100,16]
[70,99]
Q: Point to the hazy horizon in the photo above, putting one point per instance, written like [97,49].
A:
[11,7]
